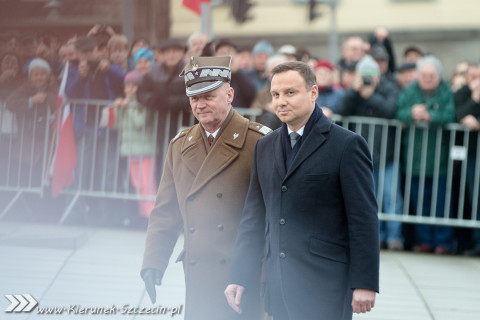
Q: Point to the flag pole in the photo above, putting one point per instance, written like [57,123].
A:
[207,21]
[48,168]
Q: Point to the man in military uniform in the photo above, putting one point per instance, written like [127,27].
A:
[202,191]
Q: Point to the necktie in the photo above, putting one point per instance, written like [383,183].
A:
[210,139]
[294,137]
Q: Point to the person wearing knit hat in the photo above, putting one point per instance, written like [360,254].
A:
[39,63]
[133,77]
[323,63]
[143,60]
[329,96]
[373,95]
[33,103]
[260,53]
[367,67]
[262,46]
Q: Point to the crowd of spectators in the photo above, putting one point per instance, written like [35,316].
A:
[142,79]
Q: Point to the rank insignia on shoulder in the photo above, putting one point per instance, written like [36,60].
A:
[265,130]
[179,134]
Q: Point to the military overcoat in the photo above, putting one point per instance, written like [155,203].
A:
[203,194]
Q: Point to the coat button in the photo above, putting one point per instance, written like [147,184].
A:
[284,188]
[220,227]
[282,221]
[282,255]
[193,262]
[191,198]
[222,261]
[192,230]
[219,195]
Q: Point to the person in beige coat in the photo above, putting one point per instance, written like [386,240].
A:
[202,192]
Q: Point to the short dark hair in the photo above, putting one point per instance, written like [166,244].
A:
[301,67]
[85,43]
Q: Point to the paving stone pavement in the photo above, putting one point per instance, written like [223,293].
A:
[74,268]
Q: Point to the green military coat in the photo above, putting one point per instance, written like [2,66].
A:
[203,193]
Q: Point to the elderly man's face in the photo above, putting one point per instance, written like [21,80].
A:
[211,108]
[38,77]
[428,78]
[353,49]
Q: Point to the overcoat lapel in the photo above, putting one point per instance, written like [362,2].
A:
[223,153]
[314,140]
[193,150]
[278,154]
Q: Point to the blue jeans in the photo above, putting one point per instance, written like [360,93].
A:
[432,235]
[470,184]
[390,230]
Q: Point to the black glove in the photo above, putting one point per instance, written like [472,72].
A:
[152,278]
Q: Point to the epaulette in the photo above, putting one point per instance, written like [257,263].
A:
[180,134]
[259,128]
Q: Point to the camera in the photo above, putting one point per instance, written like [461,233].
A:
[367,80]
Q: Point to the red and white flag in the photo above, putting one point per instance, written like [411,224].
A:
[194,5]
[65,158]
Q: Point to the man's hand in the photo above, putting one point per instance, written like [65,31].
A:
[471,122]
[234,294]
[39,97]
[152,278]
[104,65]
[363,300]
[357,83]
[420,113]
[381,33]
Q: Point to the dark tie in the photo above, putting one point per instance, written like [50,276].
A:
[294,137]
[210,139]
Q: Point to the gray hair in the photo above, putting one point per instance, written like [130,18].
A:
[275,60]
[430,60]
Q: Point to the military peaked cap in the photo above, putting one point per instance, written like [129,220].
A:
[204,74]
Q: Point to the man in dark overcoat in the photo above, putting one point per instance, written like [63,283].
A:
[202,192]
[310,212]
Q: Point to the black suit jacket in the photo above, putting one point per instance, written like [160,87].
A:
[315,225]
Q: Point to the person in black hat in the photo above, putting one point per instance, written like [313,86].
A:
[241,82]
[406,74]
[162,91]
[382,58]
[202,191]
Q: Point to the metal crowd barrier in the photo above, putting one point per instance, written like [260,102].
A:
[104,159]
[384,134]
[24,140]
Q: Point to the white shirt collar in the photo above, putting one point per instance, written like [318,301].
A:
[213,134]
[299,131]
